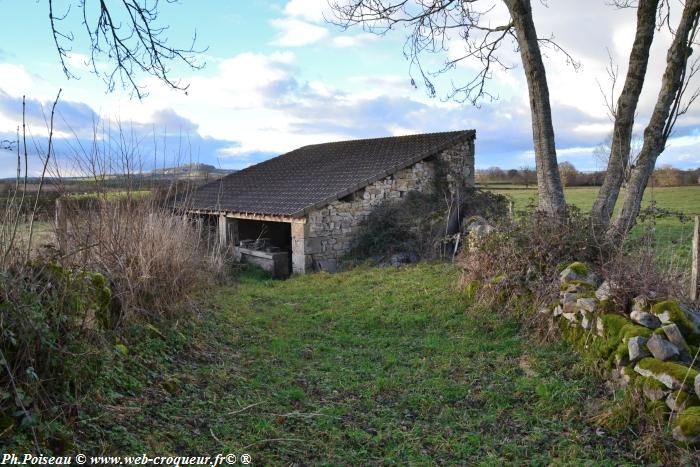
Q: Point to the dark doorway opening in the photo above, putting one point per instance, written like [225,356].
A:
[268,234]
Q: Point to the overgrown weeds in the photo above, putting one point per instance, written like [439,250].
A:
[522,257]
[153,258]
[123,261]
[418,224]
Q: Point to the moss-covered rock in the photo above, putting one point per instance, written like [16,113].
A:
[577,272]
[579,268]
[669,311]
[687,427]
[653,389]
[679,400]
[672,375]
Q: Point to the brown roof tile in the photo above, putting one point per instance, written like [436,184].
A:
[312,176]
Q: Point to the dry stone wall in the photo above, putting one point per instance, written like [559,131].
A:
[653,345]
[330,230]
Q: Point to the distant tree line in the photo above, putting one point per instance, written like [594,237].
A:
[665,175]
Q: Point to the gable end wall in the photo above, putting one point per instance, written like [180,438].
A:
[330,230]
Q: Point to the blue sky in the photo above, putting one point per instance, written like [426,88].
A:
[278,76]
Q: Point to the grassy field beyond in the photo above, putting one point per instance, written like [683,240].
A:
[671,234]
[367,366]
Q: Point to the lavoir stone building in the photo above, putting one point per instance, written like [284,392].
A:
[298,212]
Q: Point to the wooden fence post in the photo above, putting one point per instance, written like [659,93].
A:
[694,276]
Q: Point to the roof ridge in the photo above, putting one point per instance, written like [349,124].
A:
[359,140]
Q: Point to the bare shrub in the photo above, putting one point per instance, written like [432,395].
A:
[123,257]
[153,258]
[639,270]
[522,258]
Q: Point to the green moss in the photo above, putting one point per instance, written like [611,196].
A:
[689,422]
[579,268]
[583,284]
[633,330]
[652,383]
[621,354]
[675,370]
[611,348]
[683,398]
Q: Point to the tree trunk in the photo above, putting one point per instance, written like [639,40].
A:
[656,132]
[551,194]
[624,115]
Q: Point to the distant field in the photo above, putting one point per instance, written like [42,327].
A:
[672,235]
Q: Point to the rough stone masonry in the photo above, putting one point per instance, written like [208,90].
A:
[328,233]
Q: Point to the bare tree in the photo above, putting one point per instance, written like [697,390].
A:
[125,39]
[603,150]
[624,112]
[569,174]
[672,102]
[434,23]
[527,176]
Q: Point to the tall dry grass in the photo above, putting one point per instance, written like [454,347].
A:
[153,257]
[122,258]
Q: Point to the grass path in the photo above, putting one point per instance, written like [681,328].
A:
[368,366]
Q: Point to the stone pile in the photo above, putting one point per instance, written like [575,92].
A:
[653,345]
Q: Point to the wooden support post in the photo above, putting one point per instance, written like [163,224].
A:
[694,276]
[223,231]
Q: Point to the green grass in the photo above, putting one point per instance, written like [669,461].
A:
[111,195]
[372,365]
[671,234]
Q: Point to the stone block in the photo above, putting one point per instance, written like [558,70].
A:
[645,319]
[603,292]
[587,304]
[673,334]
[637,348]
[662,349]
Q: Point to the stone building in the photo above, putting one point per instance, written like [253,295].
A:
[299,212]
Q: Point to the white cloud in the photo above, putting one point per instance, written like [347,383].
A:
[78,61]
[296,33]
[15,79]
[353,41]
[310,10]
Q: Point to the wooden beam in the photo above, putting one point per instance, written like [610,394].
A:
[694,276]
[250,216]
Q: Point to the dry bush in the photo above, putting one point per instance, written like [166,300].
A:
[154,259]
[639,270]
[521,259]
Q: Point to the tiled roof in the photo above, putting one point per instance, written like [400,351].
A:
[312,176]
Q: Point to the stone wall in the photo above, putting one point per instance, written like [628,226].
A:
[329,231]
[652,346]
